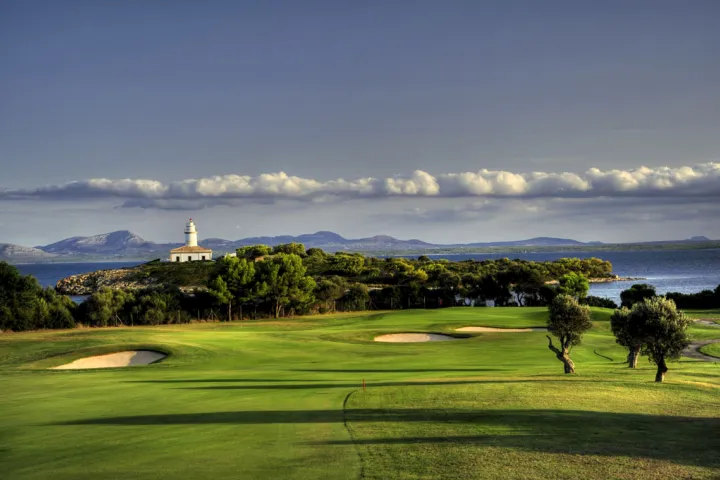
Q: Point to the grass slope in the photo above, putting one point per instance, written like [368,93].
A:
[170,273]
[711,314]
[283,399]
[713,350]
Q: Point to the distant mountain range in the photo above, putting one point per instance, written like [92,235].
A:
[112,243]
[19,254]
[125,245]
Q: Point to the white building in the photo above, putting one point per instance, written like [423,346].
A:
[191,251]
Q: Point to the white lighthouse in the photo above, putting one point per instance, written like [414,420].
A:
[190,234]
[190,251]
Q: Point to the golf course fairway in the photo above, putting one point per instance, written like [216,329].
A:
[284,399]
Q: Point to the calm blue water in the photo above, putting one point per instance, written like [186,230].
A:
[686,271]
[48,274]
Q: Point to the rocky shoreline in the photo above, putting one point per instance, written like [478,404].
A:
[89,283]
[122,279]
[614,278]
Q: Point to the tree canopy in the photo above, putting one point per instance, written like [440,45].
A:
[636,293]
[286,280]
[25,305]
[627,334]
[568,321]
[657,328]
[574,284]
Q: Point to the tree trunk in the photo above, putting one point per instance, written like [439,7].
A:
[633,356]
[661,371]
[562,355]
[567,362]
[277,309]
[229,311]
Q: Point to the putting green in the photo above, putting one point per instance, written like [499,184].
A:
[284,400]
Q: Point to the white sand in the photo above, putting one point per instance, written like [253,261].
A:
[413,337]
[503,330]
[114,360]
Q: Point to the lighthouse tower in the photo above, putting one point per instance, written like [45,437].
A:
[190,252]
[190,234]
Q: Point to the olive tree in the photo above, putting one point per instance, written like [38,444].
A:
[567,321]
[661,330]
[627,334]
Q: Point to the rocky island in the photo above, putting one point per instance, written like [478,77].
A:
[186,276]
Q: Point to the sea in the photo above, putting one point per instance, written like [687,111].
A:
[686,271]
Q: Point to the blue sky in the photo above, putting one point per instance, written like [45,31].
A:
[168,92]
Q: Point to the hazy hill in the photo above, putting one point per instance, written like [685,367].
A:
[125,245]
[534,242]
[19,254]
[329,241]
[112,243]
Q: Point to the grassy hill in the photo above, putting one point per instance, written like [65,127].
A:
[284,400]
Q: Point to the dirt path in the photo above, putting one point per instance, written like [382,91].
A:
[693,351]
[706,321]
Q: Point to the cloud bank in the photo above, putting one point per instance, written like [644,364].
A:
[700,182]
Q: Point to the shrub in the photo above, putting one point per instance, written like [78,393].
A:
[601,302]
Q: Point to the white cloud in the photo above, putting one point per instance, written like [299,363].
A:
[700,181]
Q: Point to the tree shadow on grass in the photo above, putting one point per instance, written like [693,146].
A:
[344,383]
[702,375]
[683,440]
[686,440]
[224,380]
[407,370]
[370,384]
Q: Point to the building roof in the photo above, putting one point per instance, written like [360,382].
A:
[187,249]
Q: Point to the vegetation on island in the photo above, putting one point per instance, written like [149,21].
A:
[25,305]
[288,280]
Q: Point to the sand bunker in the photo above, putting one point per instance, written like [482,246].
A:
[114,360]
[413,337]
[503,330]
